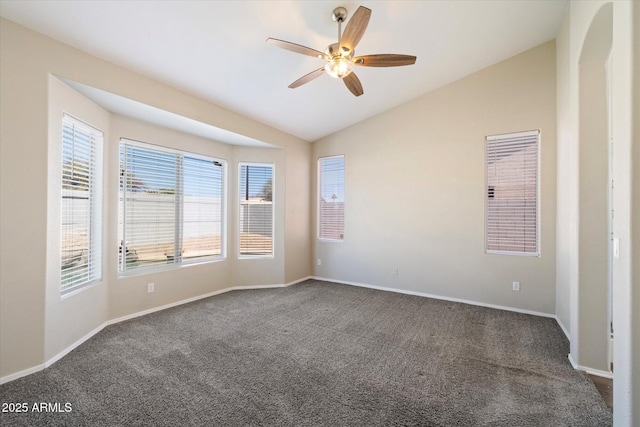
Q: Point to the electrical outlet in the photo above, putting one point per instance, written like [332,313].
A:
[516,286]
[150,287]
[319,261]
[395,271]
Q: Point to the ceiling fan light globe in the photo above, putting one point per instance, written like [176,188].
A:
[339,67]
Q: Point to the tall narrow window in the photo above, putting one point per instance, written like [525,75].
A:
[81,205]
[512,193]
[256,209]
[171,206]
[331,198]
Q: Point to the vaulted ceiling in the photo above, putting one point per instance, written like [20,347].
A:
[217,49]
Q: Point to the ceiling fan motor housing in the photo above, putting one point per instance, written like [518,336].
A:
[339,64]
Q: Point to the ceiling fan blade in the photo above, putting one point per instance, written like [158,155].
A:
[355,28]
[297,48]
[384,60]
[307,78]
[353,84]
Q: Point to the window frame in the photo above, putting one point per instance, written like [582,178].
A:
[96,200]
[273,206]
[511,135]
[319,197]
[178,228]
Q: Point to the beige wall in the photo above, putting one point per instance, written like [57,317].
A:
[267,270]
[588,348]
[593,194]
[564,186]
[23,204]
[297,256]
[415,189]
[577,22]
[32,316]
[70,318]
[635,225]
[622,123]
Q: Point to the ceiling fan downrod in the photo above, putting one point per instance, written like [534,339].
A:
[339,15]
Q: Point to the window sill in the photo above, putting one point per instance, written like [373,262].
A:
[241,257]
[160,268]
[67,294]
[524,254]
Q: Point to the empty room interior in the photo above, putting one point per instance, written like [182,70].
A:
[200,224]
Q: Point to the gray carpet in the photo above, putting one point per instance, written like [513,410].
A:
[317,353]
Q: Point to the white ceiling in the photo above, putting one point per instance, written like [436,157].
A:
[217,49]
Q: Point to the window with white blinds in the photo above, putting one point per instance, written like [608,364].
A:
[81,205]
[256,209]
[171,207]
[512,193]
[331,198]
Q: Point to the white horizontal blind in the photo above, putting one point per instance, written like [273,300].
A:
[202,208]
[81,205]
[331,198]
[171,206]
[512,193]
[149,194]
[256,209]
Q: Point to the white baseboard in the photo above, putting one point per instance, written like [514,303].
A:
[566,332]
[199,297]
[79,342]
[299,280]
[596,372]
[54,359]
[573,362]
[592,371]
[69,349]
[439,297]
[20,374]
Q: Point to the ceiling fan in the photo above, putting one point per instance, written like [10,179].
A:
[340,56]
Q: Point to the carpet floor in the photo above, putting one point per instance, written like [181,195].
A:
[315,353]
